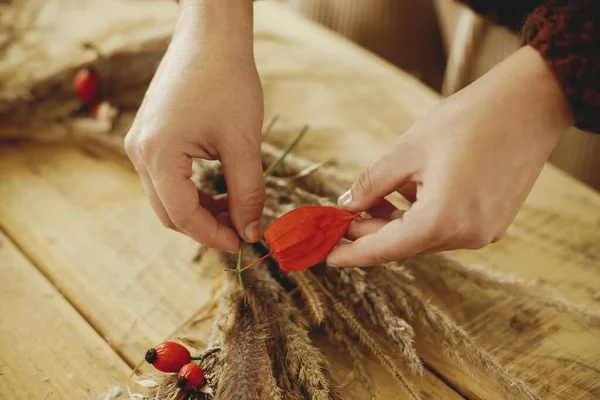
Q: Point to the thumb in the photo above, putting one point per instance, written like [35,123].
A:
[377,180]
[242,168]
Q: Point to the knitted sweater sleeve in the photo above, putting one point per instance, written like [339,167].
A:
[567,35]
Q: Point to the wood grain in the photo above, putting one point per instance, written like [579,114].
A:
[48,350]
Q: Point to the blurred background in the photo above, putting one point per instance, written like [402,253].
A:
[441,42]
[445,45]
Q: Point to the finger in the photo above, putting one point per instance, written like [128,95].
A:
[409,191]
[400,238]
[360,228]
[377,180]
[383,209]
[225,219]
[214,204]
[365,227]
[154,201]
[180,198]
[246,190]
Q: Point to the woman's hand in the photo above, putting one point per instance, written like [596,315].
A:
[468,166]
[205,101]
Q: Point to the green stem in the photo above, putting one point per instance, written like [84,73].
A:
[287,151]
[270,126]
[256,262]
[238,269]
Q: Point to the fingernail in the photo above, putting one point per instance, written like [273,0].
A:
[234,250]
[252,232]
[331,263]
[345,199]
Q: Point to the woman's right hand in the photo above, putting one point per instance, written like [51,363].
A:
[468,166]
[205,101]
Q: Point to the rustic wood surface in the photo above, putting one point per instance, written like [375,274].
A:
[78,213]
[48,350]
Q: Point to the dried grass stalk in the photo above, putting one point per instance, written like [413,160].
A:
[223,323]
[313,296]
[461,344]
[323,181]
[264,363]
[488,279]
[374,303]
[240,378]
[304,361]
[336,331]
[366,338]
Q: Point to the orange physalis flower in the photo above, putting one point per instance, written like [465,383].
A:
[304,236]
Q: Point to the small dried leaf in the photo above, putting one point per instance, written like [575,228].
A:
[148,383]
[137,396]
[113,392]
[207,389]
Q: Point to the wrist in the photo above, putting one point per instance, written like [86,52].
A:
[220,26]
[546,89]
[528,92]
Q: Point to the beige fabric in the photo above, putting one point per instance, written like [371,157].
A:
[407,33]
[474,47]
[404,32]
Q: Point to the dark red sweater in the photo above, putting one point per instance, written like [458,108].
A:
[567,35]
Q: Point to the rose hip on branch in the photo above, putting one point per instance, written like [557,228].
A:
[190,377]
[87,85]
[168,357]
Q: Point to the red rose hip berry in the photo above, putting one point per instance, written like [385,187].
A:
[87,85]
[168,357]
[190,377]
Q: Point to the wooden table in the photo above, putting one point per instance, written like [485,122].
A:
[90,279]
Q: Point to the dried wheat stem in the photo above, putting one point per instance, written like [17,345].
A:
[510,283]
[326,181]
[336,331]
[457,339]
[365,337]
[370,343]
[240,379]
[264,363]
[314,298]
[371,301]
[304,361]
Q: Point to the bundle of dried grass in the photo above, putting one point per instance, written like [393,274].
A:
[478,275]
[350,300]
[266,351]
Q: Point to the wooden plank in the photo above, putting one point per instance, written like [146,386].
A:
[91,232]
[48,350]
